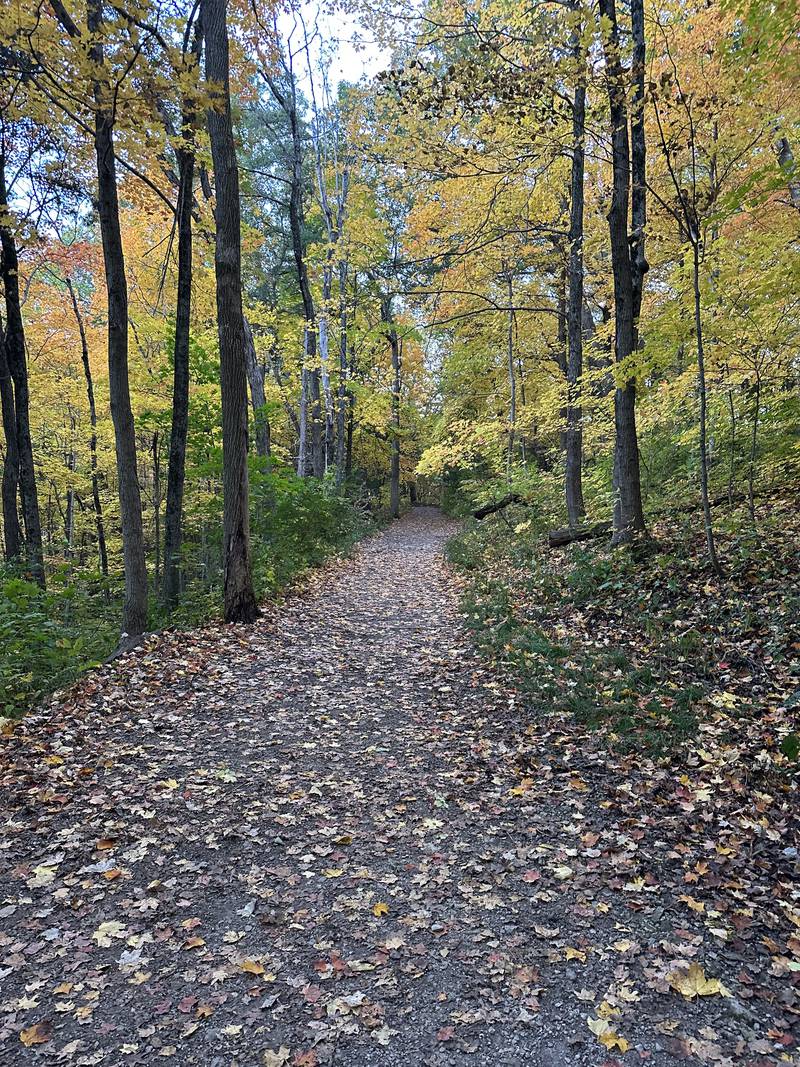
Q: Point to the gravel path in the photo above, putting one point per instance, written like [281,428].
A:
[310,841]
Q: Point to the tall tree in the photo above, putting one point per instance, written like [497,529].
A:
[104,91]
[176,467]
[240,601]
[573,483]
[628,511]
[16,362]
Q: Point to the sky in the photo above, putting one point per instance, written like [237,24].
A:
[355,55]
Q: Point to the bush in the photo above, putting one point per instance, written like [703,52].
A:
[48,638]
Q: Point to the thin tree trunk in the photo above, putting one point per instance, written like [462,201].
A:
[69,518]
[156,452]
[628,512]
[512,380]
[134,612]
[258,399]
[11,528]
[240,601]
[751,474]
[17,364]
[701,372]
[87,373]
[176,463]
[302,431]
[573,486]
[341,408]
[395,348]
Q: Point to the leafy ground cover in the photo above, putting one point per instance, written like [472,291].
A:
[649,644]
[48,638]
[333,837]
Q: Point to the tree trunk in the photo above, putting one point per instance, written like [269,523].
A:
[570,534]
[87,373]
[573,485]
[341,407]
[258,399]
[134,612]
[701,373]
[783,150]
[628,512]
[396,351]
[512,380]
[11,528]
[176,463]
[240,601]
[17,365]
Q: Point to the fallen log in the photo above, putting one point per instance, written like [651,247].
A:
[490,509]
[569,534]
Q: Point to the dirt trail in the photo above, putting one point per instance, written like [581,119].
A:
[310,841]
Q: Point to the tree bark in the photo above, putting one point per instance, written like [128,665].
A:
[341,407]
[394,472]
[17,365]
[701,374]
[87,373]
[179,430]
[12,533]
[240,601]
[573,463]
[134,612]
[512,379]
[628,511]
[258,399]
[498,505]
[570,534]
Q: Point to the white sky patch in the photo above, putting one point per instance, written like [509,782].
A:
[339,44]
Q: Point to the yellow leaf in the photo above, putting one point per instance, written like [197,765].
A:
[380,909]
[562,873]
[601,1028]
[251,967]
[695,905]
[194,942]
[36,1034]
[575,954]
[693,983]
[333,872]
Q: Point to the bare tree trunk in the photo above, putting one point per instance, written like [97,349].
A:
[240,601]
[255,376]
[134,612]
[87,373]
[573,486]
[783,150]
[512,380]
[395,347]
[69,518]
[156,452]
[17,364]
[751,474]
[628,512]
[302,430]
[179,430]
[701,372]
[341,408]
[11,528]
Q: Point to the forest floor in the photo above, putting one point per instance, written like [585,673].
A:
[332,837]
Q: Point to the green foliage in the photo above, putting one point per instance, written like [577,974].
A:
[643,645]
[48,638]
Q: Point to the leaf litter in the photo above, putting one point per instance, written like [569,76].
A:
[330,838]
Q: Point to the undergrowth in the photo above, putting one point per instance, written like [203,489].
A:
[648,645]
[48,638]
